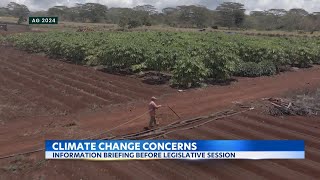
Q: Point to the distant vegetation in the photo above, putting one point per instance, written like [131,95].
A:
[192,58]
[228,14]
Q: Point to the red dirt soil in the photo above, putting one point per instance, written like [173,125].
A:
[40,86]
[43,90]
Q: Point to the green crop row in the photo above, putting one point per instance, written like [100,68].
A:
[191,57]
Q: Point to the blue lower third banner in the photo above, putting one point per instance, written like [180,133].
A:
[174,149]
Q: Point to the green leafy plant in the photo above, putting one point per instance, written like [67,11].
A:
[189,72]
[252,69]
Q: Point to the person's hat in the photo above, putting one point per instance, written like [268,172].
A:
[153,98]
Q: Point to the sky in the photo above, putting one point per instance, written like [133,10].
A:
[250,5]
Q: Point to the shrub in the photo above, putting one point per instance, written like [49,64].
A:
[252,69]
[301,57]
[189,72]
[134,23]
[220,62]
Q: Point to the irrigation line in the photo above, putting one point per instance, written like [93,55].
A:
[23,153]
[172,125]
[214,119]
[146,131]
[149,130]
[175,123]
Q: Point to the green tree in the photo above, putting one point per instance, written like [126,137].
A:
[293,20]
[142,15]
[122,16]
[193,16]
[59,11]
[170,16]
[93,12]
[268,20]
[18,10]
[3,11]
[231,14]
[149,9]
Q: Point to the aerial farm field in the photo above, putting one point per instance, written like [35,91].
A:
[77,85]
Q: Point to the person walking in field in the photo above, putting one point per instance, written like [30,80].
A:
[152,111]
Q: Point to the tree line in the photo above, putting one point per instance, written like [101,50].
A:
[228,14]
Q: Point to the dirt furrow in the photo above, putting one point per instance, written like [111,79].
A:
[121,89]
[256,168]
[98,82]
[291,124]
[280,131]
[137,90]
[241,127]
[40,96]
[68,95]
[311,122]
[76,82]
[6,111]
[44,78]
[247,131]
[244,132]
[20,97]
[21,104]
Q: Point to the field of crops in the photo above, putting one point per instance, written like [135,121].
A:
[192,58]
